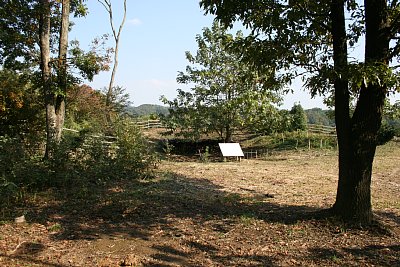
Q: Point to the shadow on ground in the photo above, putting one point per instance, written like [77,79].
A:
[88,213]
[144,210]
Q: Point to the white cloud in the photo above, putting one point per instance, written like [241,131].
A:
[135,22]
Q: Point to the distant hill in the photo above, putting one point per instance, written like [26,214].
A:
[146,110]
[320,116]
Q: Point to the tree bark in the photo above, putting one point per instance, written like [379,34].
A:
[357,136]
[62,67]
[54,101]
[228,134]
[44,44]
[107,5]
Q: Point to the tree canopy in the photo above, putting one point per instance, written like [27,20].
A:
[227,93]
[316,37]
[296,38]
[34,40]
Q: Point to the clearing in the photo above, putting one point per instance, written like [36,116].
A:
[252,213]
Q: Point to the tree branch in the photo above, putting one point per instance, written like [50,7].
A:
[313,15]
[123,20]
[395,51]
[394,27]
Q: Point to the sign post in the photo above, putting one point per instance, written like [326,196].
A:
[231,150]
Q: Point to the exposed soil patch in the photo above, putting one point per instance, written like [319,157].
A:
[250,213]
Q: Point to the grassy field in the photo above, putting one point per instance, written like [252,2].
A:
[249,213]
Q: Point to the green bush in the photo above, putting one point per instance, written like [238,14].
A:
[292,141]
[81,159]
[95,158]
[20,172]
[16,164]
[385,134]
[205,156]
[133,152]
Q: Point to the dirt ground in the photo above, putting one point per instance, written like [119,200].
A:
[257,212]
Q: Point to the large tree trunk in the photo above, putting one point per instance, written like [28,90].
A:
[44,28]
[62,67]
[54,102]
[357,136]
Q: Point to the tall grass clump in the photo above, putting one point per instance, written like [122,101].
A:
[134,154]
[80,160]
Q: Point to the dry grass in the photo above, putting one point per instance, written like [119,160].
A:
[252,213]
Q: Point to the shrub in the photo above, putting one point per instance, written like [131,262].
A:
[96,158]
[134,154]
[80,160]
[385,134]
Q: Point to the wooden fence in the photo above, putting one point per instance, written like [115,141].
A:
[321,129]
[148,124]
[311,128]
[103,139]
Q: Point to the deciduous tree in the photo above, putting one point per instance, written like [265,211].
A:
[21,105]
[315,36]
[299,118]
[26,45]
[54,99]
[227,93]
[116,34]
[86,108]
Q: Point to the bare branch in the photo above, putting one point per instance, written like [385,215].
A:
[123,20]
[107,5]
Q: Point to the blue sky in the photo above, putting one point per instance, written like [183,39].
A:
[152,48]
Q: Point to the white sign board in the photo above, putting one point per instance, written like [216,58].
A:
[231,150]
